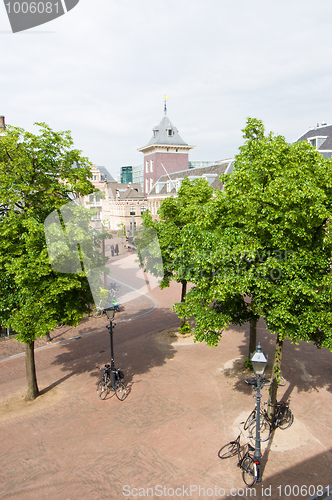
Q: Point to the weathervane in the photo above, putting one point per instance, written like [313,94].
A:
[165,104]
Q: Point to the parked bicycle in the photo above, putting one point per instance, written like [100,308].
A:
[104,386]
[283,419]
[98,310]
[246,461]
[113,288]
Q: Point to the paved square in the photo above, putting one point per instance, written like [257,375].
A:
[184,403]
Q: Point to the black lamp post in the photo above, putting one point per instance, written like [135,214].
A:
[110,311]
[259,362]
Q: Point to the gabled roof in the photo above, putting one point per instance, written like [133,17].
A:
[126,191]
[219,168]
[322,131]
[103,170]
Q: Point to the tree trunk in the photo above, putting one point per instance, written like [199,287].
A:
[183,296]
[275,376]
[252,337]
[30,368]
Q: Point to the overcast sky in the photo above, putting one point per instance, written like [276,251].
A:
[102,69]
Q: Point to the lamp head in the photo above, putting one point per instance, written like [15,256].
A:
[110,311]
[259,361]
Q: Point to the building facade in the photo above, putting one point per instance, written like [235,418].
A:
[138,176]
[116,205]
[169,185]
[126,175]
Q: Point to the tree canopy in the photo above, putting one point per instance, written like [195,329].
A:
[262,246]
[38,175]
[175,213]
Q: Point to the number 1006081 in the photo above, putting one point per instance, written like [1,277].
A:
[302,491]
[32,7]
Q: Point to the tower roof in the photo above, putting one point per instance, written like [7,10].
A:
[166,133]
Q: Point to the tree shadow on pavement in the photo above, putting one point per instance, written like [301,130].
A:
[136,349]
[304,366]
[58,382]
[301,480]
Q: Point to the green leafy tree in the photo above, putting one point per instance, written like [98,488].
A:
[263,248]
[174,214]
[38,175]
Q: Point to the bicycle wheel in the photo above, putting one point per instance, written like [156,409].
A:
[229,450]
[249,470]
[102,389]
[249,419]
[285,419]
[120,390]
[97,313]
[265,429]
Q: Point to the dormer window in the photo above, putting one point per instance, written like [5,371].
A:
[316,142]
[170,132]
[155,131]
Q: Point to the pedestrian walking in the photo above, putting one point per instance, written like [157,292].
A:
[116,249]
[112,250]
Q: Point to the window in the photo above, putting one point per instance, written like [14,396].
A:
[316,142]
[151,166]
[146,185]
[91,198]
[132,210]
[143,209]
[94,177]
[96,215]
[170,132]
[151,183]
[147,166]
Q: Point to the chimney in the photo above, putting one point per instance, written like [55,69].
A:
[2,123]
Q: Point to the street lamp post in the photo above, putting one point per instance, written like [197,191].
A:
[258,361]
[110,311]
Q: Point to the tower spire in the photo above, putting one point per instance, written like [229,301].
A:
[165,104]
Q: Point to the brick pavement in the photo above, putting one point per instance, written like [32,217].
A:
[184,403]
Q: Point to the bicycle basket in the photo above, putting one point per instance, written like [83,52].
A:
[121,374]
